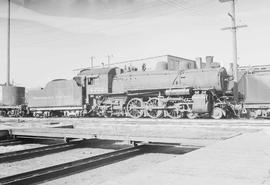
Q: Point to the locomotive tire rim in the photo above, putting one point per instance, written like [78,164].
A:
[154,102]
[134,108]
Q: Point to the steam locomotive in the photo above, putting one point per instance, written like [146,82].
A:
[177,88]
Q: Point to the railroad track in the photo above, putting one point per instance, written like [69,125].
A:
[10,142]
[40,151]
[61,170]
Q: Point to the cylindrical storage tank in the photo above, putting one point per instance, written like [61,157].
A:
[12,95]
[162,66]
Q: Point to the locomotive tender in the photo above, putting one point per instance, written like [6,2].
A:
[254,87]
[59,98]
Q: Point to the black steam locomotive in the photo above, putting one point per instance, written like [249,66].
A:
[177,88]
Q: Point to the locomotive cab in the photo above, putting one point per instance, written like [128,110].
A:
[98,82]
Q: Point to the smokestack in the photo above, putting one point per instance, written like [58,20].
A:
[209,61]
[199,62]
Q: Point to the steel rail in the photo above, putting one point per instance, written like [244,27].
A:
[40,151]
[10,142]
[65,169]
[7,140]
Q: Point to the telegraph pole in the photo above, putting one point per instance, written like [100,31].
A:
[8,45]
[234,28]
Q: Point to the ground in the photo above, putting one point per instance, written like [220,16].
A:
[242,160]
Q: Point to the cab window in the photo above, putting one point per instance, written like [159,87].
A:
[90,81]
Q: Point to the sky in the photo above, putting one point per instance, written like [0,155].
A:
[49,39]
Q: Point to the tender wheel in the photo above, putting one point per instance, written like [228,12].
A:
[135,108]
[252,114]
[154,113]
[217,113]
[175,114]
[192,115]
[36,115]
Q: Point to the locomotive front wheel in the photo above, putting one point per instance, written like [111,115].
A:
[175,114]
[217,113]
[192,115]
[135,108]
[151,111]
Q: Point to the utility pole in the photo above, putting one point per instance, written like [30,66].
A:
[8,45]
[92,61]
[234,28]
[109,59]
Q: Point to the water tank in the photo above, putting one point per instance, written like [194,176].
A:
[162,66]
[12,95]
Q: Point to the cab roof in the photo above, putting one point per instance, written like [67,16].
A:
[97,71]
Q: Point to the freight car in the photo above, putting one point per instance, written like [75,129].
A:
[12,101]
